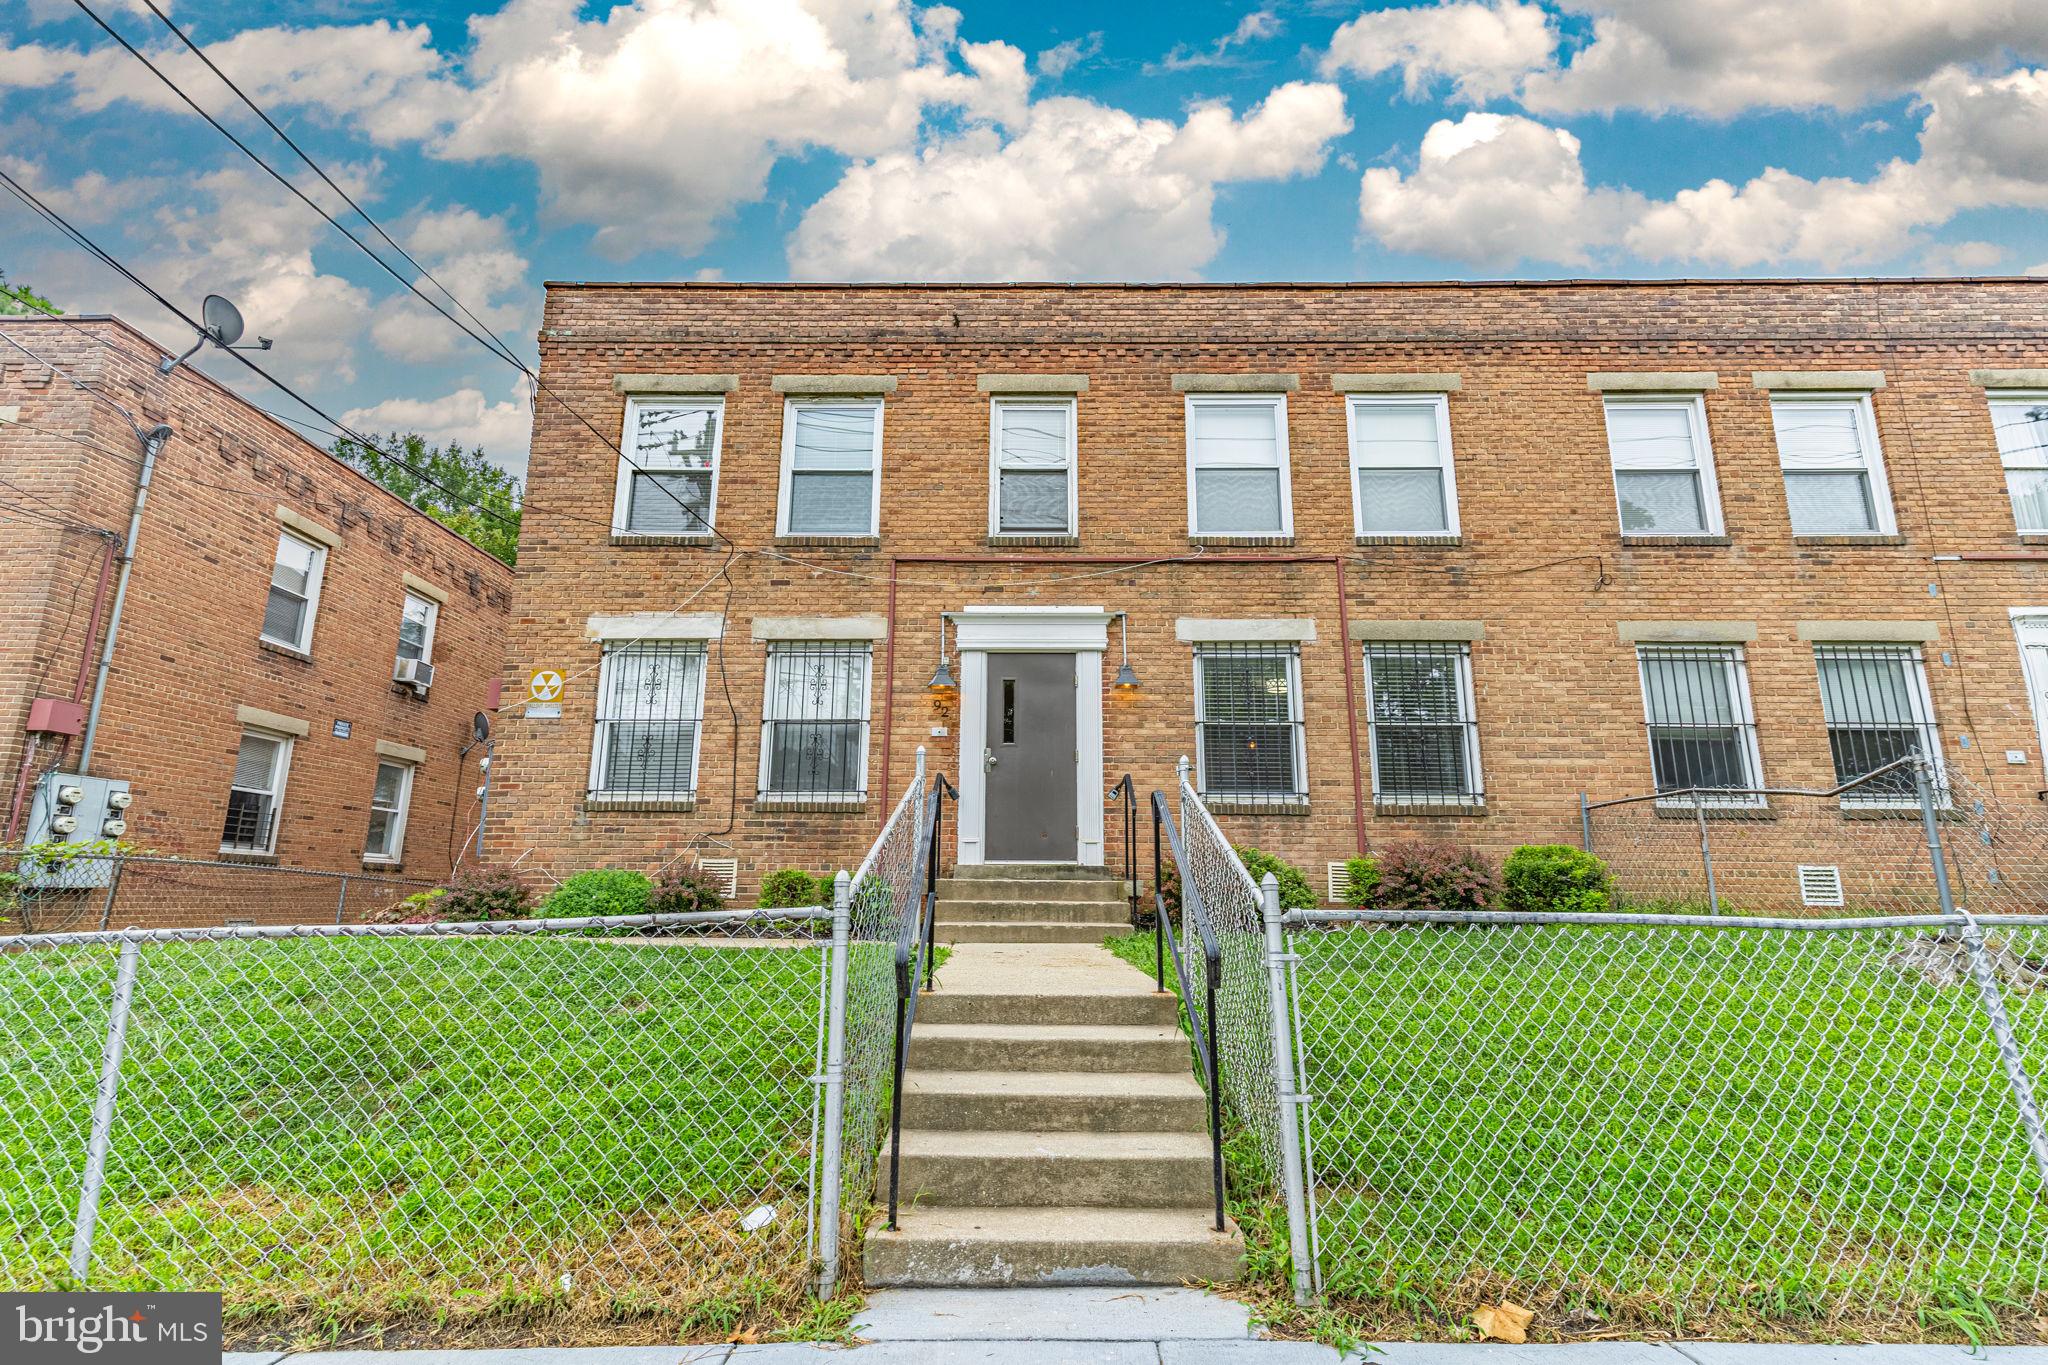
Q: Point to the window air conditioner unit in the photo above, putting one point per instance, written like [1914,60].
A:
[416,673]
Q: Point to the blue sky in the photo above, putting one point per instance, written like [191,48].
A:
[515,142]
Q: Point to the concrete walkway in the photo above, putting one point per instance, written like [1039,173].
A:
[1108,1326]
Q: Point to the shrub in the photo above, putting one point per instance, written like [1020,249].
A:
[600,891]
[1361,881]
[1295,891]
[1427,876]
[1555,877]
[686,889]
[790,887]
[1147,917]
[479,893]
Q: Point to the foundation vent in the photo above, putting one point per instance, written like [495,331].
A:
[1820,886]
[724,871]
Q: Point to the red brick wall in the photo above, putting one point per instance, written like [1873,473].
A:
[1541,563]
[188,654]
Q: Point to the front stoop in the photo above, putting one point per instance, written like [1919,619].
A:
[1053,1130]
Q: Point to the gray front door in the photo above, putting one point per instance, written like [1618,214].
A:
[1030,764]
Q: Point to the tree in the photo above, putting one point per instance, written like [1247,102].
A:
[471,482]
[18,299]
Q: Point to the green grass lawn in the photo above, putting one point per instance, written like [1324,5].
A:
[344,1130]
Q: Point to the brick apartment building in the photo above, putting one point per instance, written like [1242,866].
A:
[250,705]
[1388,560]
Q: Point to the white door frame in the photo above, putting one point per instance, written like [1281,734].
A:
[1080,631]
[2030,628]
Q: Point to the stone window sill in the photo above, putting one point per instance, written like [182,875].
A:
[1408,540]
[679,804]
[829,542]
[1687,812]
[1652,542]
[1904,810]
[1454,810]
[1044,542]
[1223,805]
[2034,537]
[273,647]
[382,865]
[240,856]
[815,806]
[634,538]
[1848,540]
[1243,542]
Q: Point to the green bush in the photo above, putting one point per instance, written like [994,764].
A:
[686,890]
[600,891]
[479,893]
[1295,891]
[1555,877]
[1361,881]
[1432,876]
[791,887]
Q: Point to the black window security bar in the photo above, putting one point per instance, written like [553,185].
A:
[814,722]
[1696,708]
[1425,737]
[1248,722]
[649,707]
[1875,701]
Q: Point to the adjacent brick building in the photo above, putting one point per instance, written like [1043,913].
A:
[250,702]
[1442,557]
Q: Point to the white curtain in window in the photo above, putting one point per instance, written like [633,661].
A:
[1656,468]
[1399,459]
[1827,467]
[832,470]
[1237,468]
[1032,466]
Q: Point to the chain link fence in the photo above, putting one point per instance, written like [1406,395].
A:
[89,891]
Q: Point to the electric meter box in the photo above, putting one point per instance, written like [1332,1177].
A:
[70,808]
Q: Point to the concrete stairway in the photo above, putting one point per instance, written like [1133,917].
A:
[1053,1130]
[1031,903]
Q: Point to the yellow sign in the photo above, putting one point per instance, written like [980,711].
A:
[544,685]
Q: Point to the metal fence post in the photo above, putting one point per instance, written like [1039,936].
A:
[1986,976]
[1931,828]
[103,1111]
[829,1178]
[113,889]
[1699,810]
[1585,824]
[1283,1085]
[341,901]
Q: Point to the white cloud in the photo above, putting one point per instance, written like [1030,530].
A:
[91,198]
[1082,191]
[1484,50]
[504,430]
[1057,60]
[1962,258]
[1254,27]
[472,255]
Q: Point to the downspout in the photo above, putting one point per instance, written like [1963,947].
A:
[1351,710]
[152,444]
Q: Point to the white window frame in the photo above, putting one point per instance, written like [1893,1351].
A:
[790,407]
[593,785]
[1919,696]
[867,689]
[1735,659]
[2006,399]
[433,624]
[314,579]
[278,775]
[1446,463]
[1873,457]
[400,813]
[629,465]
[1296,726]
[1468,730]
[1695,406]
[1278,403]
[996,408]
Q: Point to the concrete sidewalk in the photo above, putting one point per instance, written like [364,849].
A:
[1138,1326]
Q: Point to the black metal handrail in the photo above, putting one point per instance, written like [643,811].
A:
[1164,945]
[1128,789]
[914,961]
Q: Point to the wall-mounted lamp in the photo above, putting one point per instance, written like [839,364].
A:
[1126,677]
[942,677]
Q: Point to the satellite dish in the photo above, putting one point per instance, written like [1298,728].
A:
[223,320]
[480,726]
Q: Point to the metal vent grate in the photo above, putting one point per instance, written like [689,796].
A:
[1340,882]
[1820,886]
[724,871]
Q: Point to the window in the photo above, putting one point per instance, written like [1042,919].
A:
[2020,424]
[1248,737]
[1237,467]
[1425,737]
[1663,467]
[1702,732]
[650,707]
[1401,467]
[1033,449]
[814,722]
[831,468]
[294,592]
[1834,478]
[255,793]
[675,444]
[416,627]
[1878,712]
[389,798]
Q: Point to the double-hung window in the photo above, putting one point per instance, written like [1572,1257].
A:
[1425,735]
[668,467]
[1878,711]
[1248,731]
[1032,446]
[390,796]
[1702,730]
[1237,467]
[831,467]
[1663,466]
[416,624]
[256,793]
[814,721]
[294,592]
[1834,475]
[650,710]
[1401,479]
[2020,423]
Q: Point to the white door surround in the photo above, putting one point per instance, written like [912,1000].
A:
[2030,629]
[1080,631]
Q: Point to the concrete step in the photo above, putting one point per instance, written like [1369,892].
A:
[1034,889]
[1027,931]
[1053,1101]
[1030,872]
[999,1007]
[1048,1047]
[1039,1169]
[1060,1245]
[1048,912]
